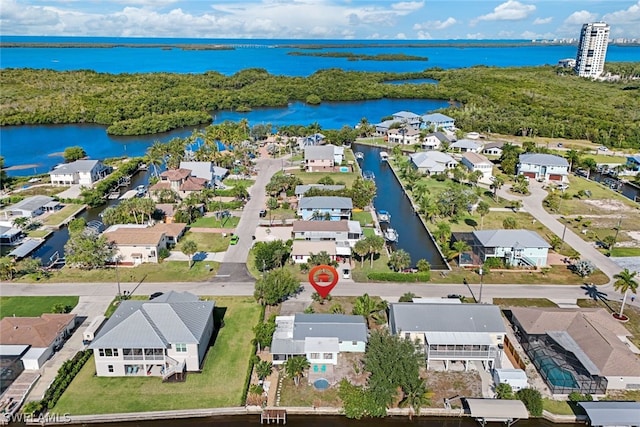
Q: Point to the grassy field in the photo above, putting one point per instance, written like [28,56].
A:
[213,222]
[306,395]
[32,306]
[523,302]
[38,234]
[58,217]
[207,242]
[363,217]
[339,178]
[560,407]
[167,271]
[622,252]
[220,384]
[45,190]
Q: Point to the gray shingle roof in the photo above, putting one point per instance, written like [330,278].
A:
[172,318]
[510,239]
[73,167]
[325,202]
[342,326]
[410,317]
[32,203]
[436,117]
[543,159]
[318,152]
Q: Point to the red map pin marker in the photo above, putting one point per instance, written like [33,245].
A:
[320,279]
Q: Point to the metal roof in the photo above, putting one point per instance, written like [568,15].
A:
[73,167]
[325,202]
[343,327]
[610,413]
[436,117]
[313,345]
[286,346]
[510,239]
[430,159]
[541,159]
[410,317]
[31,204]
[465,143]
[460,338]
[26,248]
[319,152]
[497,409]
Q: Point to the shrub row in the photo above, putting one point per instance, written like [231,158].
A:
[398,277]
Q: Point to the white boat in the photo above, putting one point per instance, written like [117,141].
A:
[141,190]
[368,175]
[384,216]
[359,155]
[384,156]
[391,235]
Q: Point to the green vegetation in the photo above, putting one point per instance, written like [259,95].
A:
[206,242]
[72,154]
[360,57]
[558,407]
[33,306]
[213,222]
[523,302]
[275,286]
[58,217]
[220,384]
[532,101]
[363,217]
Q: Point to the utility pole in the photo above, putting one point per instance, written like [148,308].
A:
[481,283]
[118,279]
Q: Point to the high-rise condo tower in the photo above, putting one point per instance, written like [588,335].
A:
[592,49]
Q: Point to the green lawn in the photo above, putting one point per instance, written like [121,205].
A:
[575,206]
[32,306]
[621,252]
[338,177]
[523,302]
[363,217]
[559,407]
[58,217]
[219,385]
[167,271]
[213,222]
[38,234]
[306,394]
[368,231]
[207,242]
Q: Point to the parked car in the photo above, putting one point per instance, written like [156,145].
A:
[454,296]
[559,144]
[156,295]
[603,148]
[234,239]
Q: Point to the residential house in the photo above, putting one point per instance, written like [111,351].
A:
[135,245]
[408,119]
[339,231]
[438,121]
[160,337]
[10,236]
[478,162]
[321,207]
[583,350]
[383,127]
[173,232]
[179,181]
[493,148]
[311,140]
[168,210]
[83,172]
[465,145]
[30,207]
[301,250]
[432,162]
[318,337]
[300,190]
[451,332]
[43,335]
[633,162]
[518,248]
[404,135]
[544,167]
[434,140]
[319,158]
[516,378]
[202,170]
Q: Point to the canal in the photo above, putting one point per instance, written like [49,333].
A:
[627,189]
[412,235]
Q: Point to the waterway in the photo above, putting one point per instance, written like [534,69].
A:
[627,190]
[412,235]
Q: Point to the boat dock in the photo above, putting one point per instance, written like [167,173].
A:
[129,195]
[275,415]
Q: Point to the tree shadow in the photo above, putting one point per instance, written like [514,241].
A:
[471,222]
[593,293]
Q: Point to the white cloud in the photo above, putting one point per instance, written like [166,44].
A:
[542,21]
[436,25]
[628,16]
[511,10]
[423,35]
[401,36]
[407,6]
[580,17]
[475,36]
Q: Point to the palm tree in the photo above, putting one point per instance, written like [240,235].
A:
[482,209]
[295,367]
[399,259]
[416,395]
[376,244]
[498,182]
[189,248]
[509,223]
[366,306]
[361,248]
[625,282]
[272,204]
[155,156]
[263,369]
[459,247]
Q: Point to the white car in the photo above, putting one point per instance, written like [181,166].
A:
[603,148]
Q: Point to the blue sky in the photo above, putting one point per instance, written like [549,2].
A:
[318,19]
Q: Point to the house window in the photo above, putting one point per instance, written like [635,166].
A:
[315,355]
[110,368]
[108,352]
[354,342]
[328,356]
[180,348]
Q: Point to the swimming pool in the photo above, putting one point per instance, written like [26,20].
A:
[557,376]
[344,169]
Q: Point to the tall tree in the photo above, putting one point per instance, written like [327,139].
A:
[459,247]
[482,209]
[376,245]
[275,286]
[263,369]
[189,248]
[295,367]
[399,259]
[361,248]
[88,251]
[71,154]
[625,282]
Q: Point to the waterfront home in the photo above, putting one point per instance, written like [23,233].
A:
[300,190]
[517,248]
[205,170]
[493,148]
[478,162]
[321,207]
[311,140]
[465,146]
[10,236]
[339,231]
[135,245]
[167,210]
[39,336]
[301,250]
[322,158]
[82,172]
[583,350]
[437,121]
[318,337]
[633,162]
[406,136]
[30,207]
[167,335]
[432,162]
[407,118]
[543,167]
[180,182]
[451,332]
[435,140]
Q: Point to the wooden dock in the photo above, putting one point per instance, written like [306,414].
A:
[273,415]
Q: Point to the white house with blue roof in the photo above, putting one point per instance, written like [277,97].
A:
[543,167]
[438,121]
[633,162]
[161,337]
[320,207]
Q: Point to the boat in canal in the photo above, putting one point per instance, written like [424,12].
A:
[391,235]
[359,155]
[369,175]
[384,216]
[384,156]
